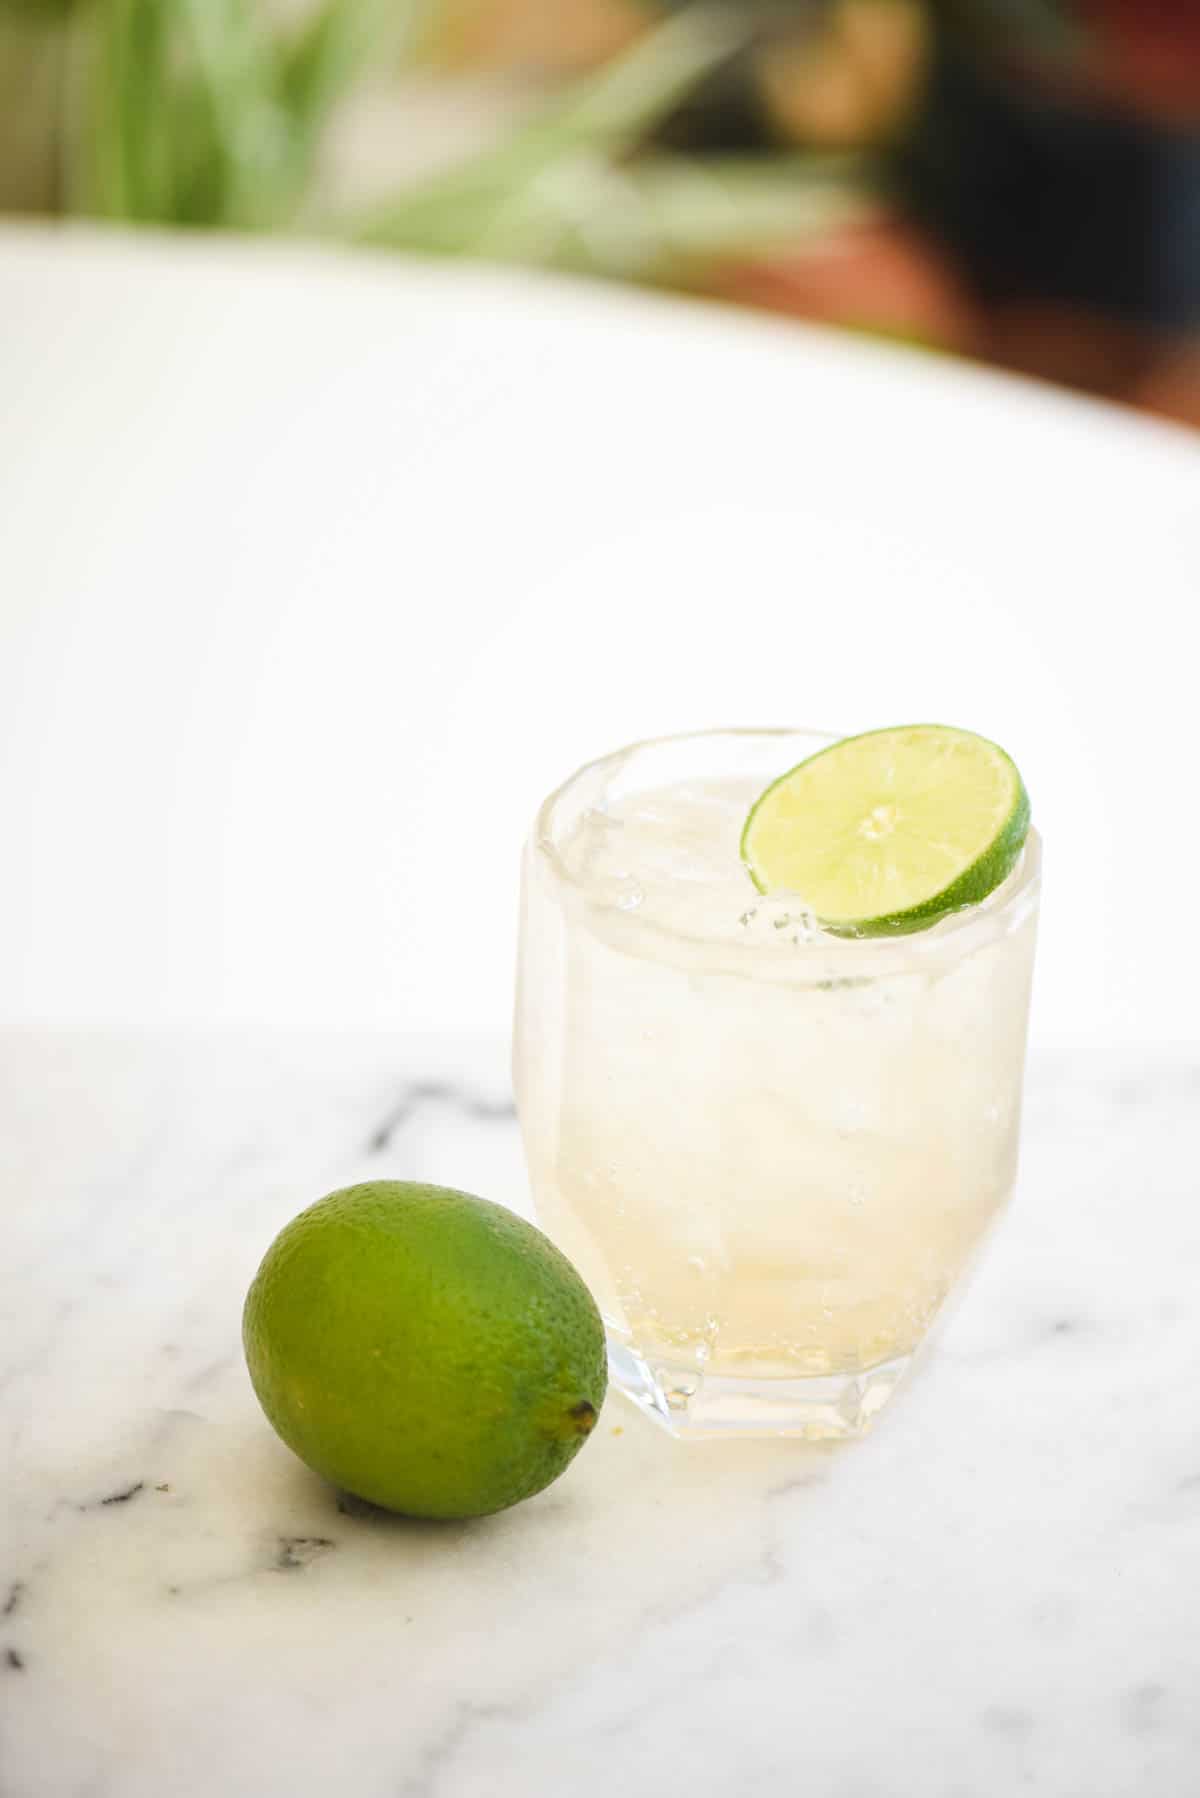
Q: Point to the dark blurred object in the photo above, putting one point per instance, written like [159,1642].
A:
[726,112]
[1056,179]
[1145,54]
[1045,191]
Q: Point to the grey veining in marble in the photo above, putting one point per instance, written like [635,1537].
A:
[994,1593]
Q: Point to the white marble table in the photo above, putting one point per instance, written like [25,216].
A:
[994,1594]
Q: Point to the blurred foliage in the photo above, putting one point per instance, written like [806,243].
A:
[563,189]
[45,10]
[862,162]
[216,112]
[202,112]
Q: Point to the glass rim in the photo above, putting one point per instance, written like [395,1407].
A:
[956,933]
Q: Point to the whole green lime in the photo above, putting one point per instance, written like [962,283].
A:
[424,1349]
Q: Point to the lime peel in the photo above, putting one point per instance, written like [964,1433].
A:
[889,831]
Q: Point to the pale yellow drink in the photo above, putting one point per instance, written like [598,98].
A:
[770,1152]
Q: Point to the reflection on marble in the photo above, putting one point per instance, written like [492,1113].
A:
[993,1593]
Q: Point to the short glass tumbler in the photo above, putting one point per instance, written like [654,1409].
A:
[771,1153]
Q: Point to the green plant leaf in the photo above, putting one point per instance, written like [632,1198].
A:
[237,79]
[128,168]
[333,49]
[606,114]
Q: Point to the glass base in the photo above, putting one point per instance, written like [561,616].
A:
[689,1404]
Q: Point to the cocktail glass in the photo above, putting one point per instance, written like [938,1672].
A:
[771,1152]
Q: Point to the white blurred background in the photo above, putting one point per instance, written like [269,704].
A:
[317,572]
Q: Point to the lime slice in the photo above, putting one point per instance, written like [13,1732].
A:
[889,831]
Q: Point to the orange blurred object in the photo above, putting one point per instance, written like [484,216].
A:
[882,276]
[851,82]
[1058,342]
[530,35]
[1171,386]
